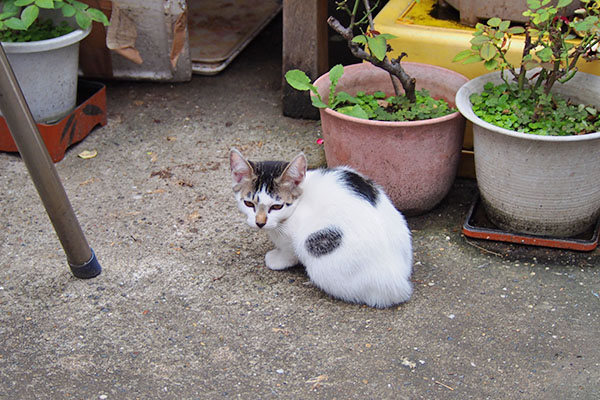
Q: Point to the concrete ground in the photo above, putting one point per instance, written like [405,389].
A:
[186,309]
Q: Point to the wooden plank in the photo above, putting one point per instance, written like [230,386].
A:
[305,48]
[94,57]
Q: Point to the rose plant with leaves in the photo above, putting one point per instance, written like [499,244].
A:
[20,19]
[371,46]
[553,45]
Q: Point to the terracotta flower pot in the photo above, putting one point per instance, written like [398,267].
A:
[416,162]
[542,185]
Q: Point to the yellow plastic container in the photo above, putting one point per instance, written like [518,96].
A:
[428,40]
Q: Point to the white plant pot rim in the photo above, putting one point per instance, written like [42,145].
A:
[48,44]
[476,86]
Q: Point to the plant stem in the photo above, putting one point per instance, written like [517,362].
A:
[522,78]
[393,67]
[372,28]
[353,15]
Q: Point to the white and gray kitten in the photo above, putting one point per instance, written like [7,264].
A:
[340,225]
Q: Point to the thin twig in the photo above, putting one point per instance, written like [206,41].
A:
[441,384]
[369,16]
[483,249]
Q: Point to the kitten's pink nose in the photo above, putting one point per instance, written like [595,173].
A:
[260,224]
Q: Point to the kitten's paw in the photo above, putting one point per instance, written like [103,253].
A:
[278,260]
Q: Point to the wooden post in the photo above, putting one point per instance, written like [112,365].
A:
[305,48]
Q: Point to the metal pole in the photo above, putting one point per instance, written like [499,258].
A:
[23,128]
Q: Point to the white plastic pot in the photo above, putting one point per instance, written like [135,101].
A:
[543,185]
[47,73]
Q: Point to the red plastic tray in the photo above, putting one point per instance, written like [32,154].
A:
[478,226]
[90,112]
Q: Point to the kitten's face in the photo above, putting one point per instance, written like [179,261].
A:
[266,192]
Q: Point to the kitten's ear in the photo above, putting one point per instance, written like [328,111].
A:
[240,168]
[295,172]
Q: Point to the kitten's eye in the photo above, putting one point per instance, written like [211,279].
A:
[249,204]
[276,207]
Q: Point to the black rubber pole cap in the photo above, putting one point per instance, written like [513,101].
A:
[90,269]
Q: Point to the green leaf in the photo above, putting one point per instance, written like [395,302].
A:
[488,52]
[317,102]
[479,40]
[78,5]
[343,97]
[462,55]
[10,10]
[544,15]
[563,3]
[491,65]
[504,25]
[533,4]
[68,10]
[354,111]
[22,3]
[473,59]
[83,20]
[377,47]
[336,72]
[545,54]
[29,15]
[15,23]
[494,22]
[362,39]
[516,30]
[45,3]
[98,16]
[298,79]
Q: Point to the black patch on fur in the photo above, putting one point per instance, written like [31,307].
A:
[323,242]
[266,173]
[365,188]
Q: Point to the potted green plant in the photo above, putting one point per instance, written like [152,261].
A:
[378,118]
[41,39]
[536,125]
